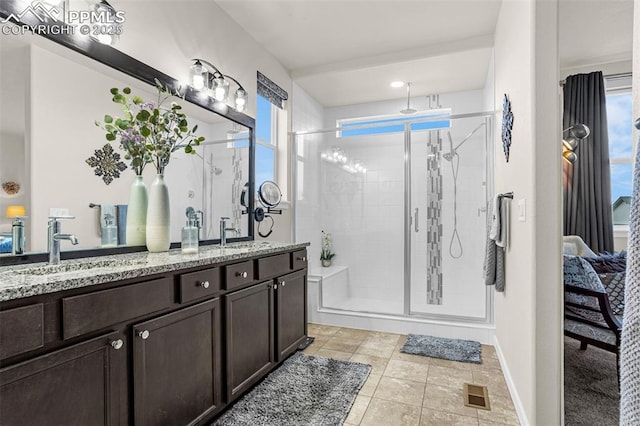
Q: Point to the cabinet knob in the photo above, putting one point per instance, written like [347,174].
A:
[283,283]
[275,286]
[303,258]
[204,284]
[242,274]
[117,344]
[144,334]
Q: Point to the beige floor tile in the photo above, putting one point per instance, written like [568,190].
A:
[493,380]
[502,411]
[377,364]
[387,338]
[370,385]
[448,399]
[489,423]
[452,364]
[489,351]
[451,377]
[387,413]
[376,349]
[352,333]
[418,359]
[400,390]
[442,418]
[341,344]
[327,353]
[311,349]
[358,409]
[321,330]
[407,370]
[487,364]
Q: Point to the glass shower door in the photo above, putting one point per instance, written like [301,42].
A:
[447,220]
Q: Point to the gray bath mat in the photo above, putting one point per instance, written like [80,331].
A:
[441,347]
[304,390]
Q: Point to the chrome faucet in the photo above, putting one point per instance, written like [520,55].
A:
[224,229]
[54,238]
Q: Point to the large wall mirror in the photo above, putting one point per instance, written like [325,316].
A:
[51,97]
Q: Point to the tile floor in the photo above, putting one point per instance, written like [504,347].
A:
[405,389]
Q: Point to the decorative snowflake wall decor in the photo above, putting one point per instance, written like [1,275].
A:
[106,163]
[507,125]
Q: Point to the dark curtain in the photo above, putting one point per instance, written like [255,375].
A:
[587,183]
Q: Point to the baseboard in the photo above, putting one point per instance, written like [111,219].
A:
[522,416]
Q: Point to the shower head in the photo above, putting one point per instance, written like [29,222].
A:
[408,109]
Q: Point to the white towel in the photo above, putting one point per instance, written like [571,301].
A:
[501,240]
[630,342]
[107,209]
[494,225]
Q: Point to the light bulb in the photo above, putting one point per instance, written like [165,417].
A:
[198,82]
[241,100]
[220,89]
[105,39]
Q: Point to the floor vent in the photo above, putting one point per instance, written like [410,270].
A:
[476,396]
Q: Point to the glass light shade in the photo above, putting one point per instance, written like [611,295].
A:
[220,89]
[198,76]
[570,143]
[15,211]
[241,100]
[570,156]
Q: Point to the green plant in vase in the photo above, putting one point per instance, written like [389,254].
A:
[149,133]
[326,254]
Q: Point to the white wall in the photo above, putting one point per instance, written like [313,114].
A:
[528,313]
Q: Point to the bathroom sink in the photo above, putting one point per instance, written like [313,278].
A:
[248,245]
[76,266]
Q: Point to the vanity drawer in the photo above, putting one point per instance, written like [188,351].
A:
[272,266]
[299,259]
[195,285]
[94,311]
[239,274]
[21,330]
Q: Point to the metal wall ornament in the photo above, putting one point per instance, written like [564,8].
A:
[507,125]
[106,163]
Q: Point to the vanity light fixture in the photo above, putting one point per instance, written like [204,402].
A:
[209,78]
[103,8]
[574,134]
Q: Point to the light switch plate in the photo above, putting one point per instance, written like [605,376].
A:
[522,210]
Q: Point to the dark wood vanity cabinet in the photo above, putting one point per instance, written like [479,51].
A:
[169,349]
[250,336]
[77,385]
[291,296]
[177,366]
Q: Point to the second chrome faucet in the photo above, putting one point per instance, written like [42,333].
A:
[224,229]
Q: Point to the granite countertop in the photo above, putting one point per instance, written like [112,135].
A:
[39,278]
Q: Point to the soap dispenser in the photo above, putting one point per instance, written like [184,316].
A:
[190,236]
[109,232]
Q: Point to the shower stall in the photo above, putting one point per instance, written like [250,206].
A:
[405,203]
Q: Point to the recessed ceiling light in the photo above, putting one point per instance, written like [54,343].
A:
[397,84]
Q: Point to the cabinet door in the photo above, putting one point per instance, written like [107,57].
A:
[291,308]
[177,366]
[78,385]
[249,315]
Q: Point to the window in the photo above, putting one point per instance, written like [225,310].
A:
[265,141]
[393,123]
[619,120]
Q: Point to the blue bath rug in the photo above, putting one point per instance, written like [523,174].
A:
[441,347]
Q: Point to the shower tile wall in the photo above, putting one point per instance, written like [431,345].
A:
[434,219]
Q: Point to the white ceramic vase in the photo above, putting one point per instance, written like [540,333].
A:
[158,216]
[137,214]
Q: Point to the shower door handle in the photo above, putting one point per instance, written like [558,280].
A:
[415,219]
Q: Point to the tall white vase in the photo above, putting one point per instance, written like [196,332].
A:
[158,216]
[137,213]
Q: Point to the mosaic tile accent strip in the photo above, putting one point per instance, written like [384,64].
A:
[236,188]
[434,220]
